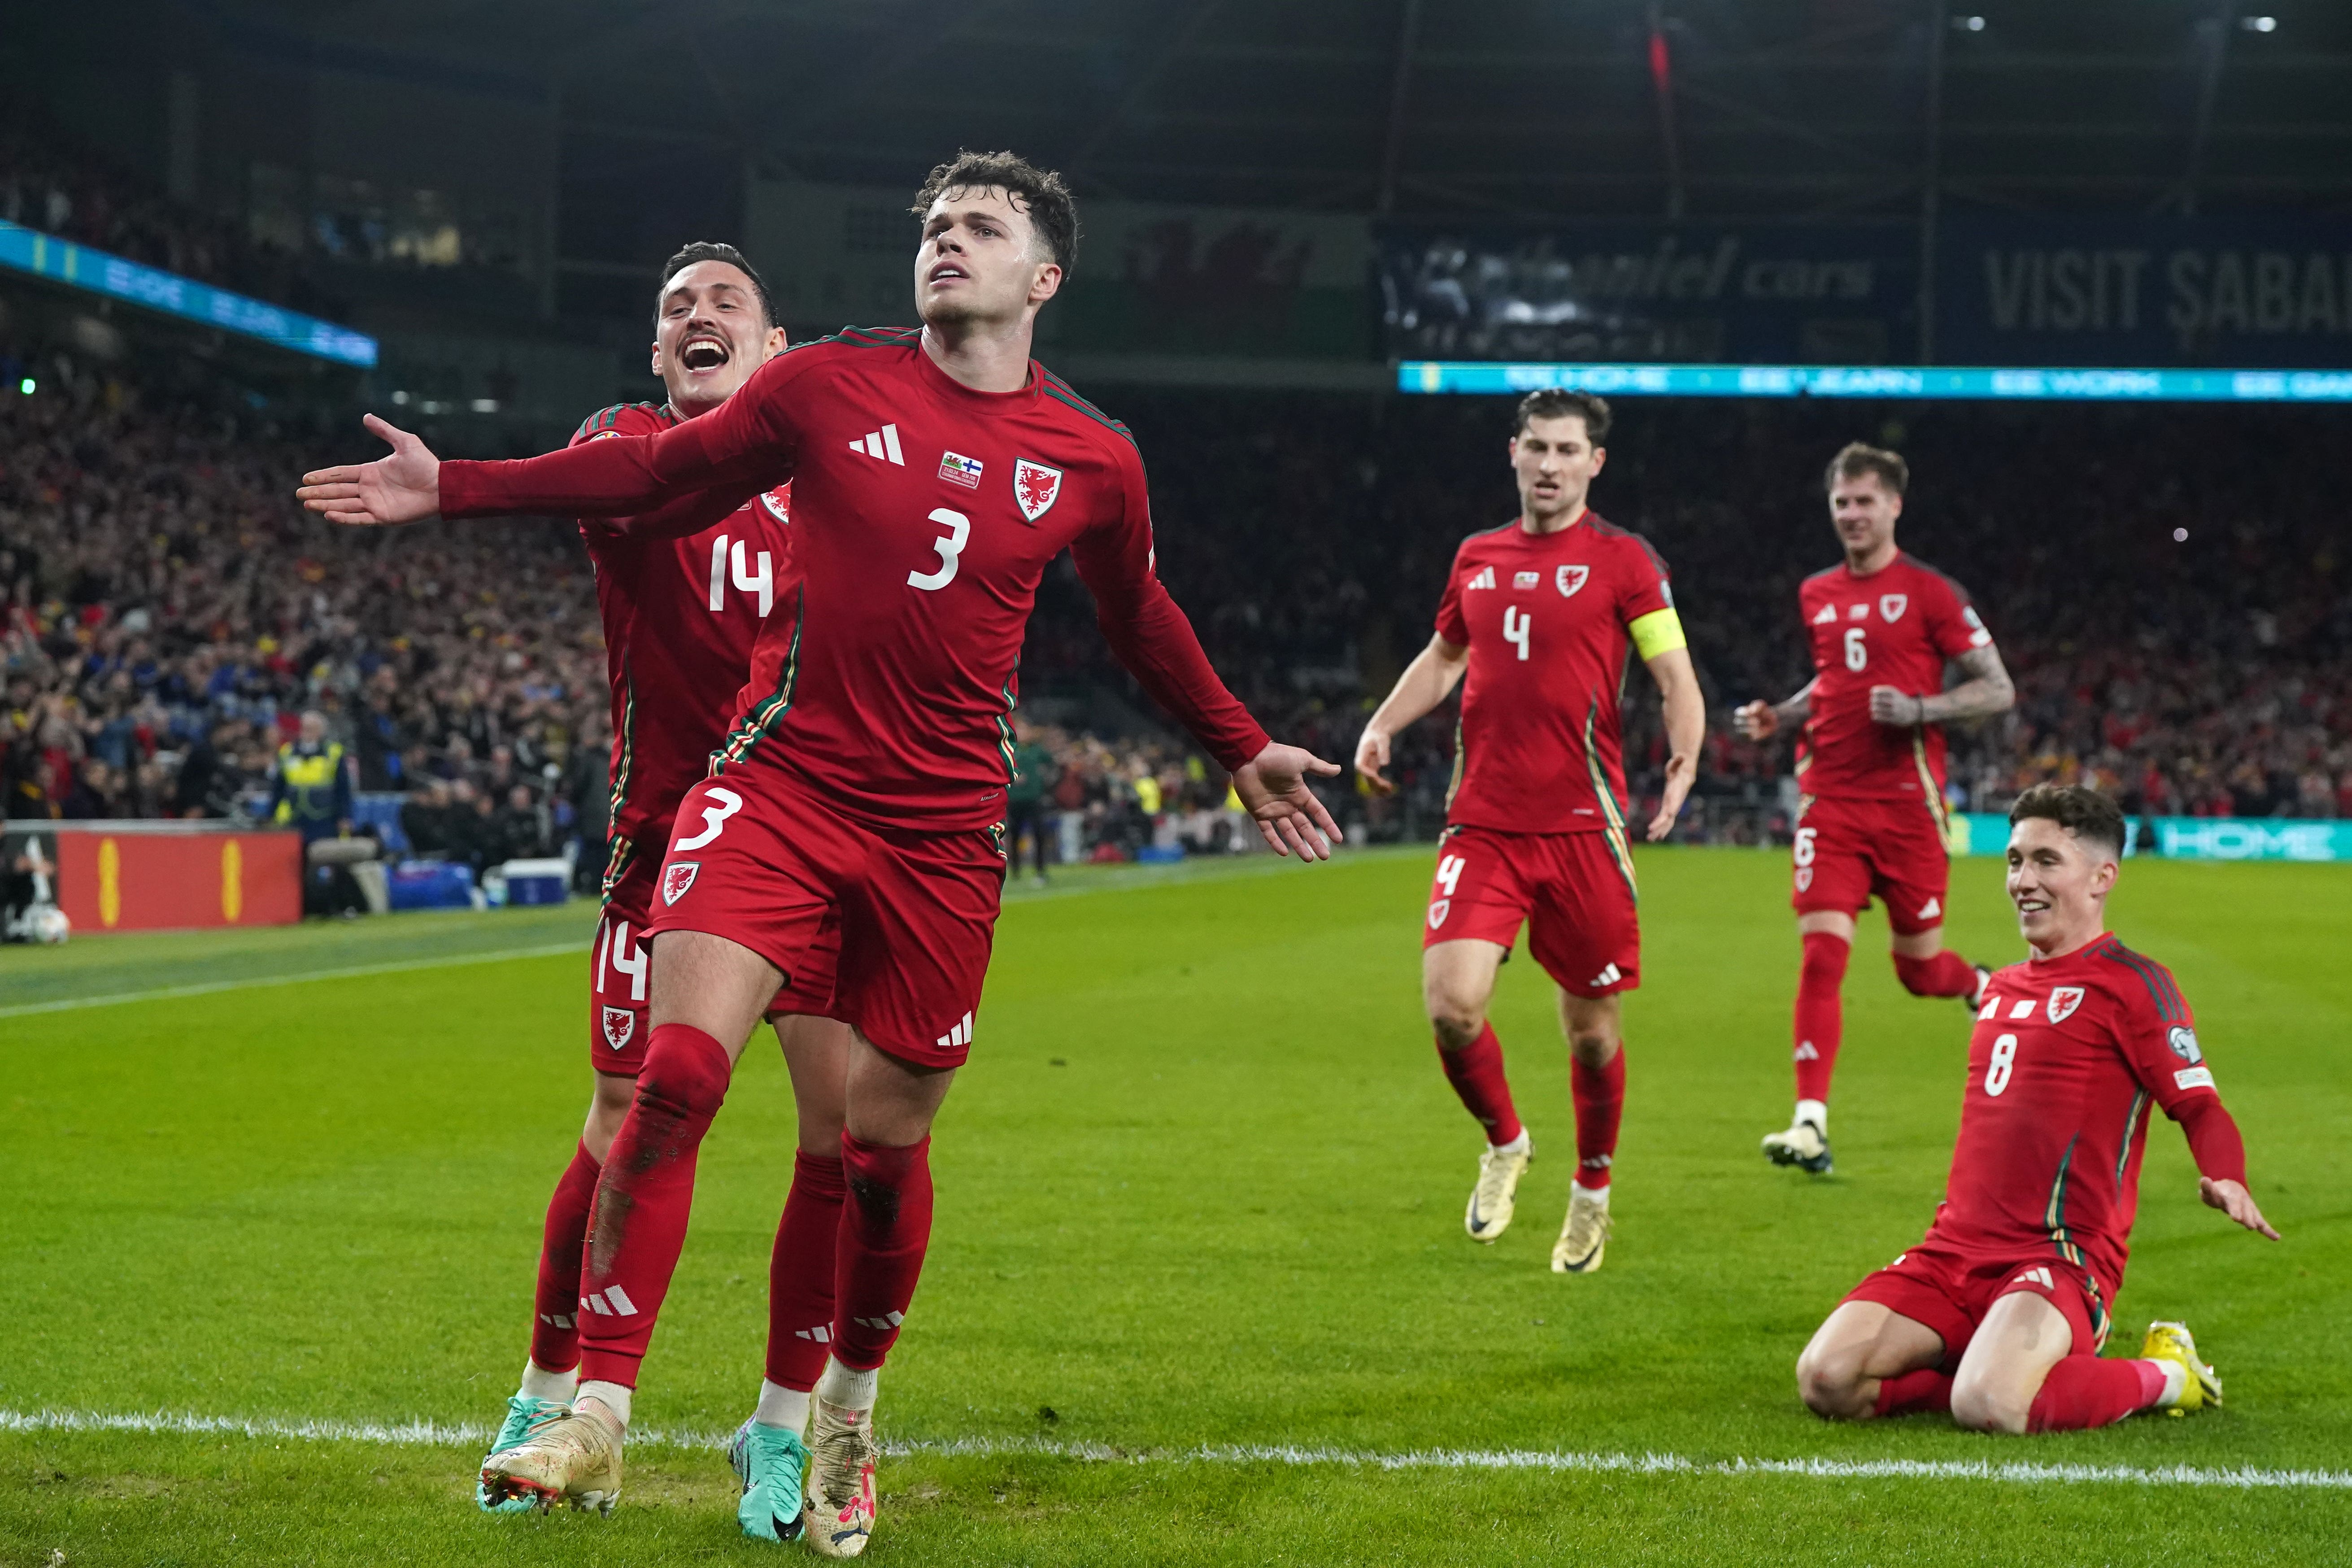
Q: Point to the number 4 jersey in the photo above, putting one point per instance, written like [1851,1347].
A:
[1894,627]
[2067,1056]
[1547,619]
[680,616]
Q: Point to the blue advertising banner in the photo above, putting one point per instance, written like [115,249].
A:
[2247,289]
[2187,837]
[1650,292]
[2048,383]
[62,261]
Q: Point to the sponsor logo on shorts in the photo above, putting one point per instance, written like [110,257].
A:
[960,1035]
[1568,579]
[2193,1077]
[2036,1277]
[2183,1041]
[1931,909]
[2063,1000]
[677,877]
[1609,976]
[1892,606]
[620,1027]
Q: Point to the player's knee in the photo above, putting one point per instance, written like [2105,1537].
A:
[1825,959]
[1830,1383]
[1457,1019]
[687,1070]
[1592,1043]
[1915,974]
[1987,1405]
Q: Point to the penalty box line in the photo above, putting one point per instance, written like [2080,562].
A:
[463,1434]
[303,977]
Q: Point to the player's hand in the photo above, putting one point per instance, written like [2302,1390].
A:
[1756,720]
[1681,772]
[1888,706]
[1371,756]
[404,488]
[1273,786]
[2236,1202]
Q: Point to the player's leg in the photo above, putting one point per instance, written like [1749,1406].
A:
[1912,877]
[1596,1081]
[2034,1364]
[1867,1359]
[1831,885]
[1476,903]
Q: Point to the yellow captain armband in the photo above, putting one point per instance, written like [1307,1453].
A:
[1658,632]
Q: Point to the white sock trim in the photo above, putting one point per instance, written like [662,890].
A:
[1518,1146]
[846,1386]
[1577,1189]
[2175,1382]
[611,1396]
[782,1407]
[1816,1111]
[556,1388]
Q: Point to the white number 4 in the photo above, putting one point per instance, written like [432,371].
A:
[950,551]
[1517,625]
[725,565]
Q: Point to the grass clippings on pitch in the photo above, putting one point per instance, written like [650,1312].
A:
[1201,1189]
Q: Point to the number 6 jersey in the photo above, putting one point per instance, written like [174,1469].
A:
[1894,627]
[1547,619]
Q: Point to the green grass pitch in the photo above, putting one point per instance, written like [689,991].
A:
[1200,1191]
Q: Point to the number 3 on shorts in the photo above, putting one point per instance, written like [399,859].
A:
[718,806]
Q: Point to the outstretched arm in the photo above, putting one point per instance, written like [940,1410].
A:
[1760,721]
[1685,707]
[1986,690]
[1434,673]
[2219,1150]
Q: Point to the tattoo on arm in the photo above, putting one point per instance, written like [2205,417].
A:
[1986,690]
[1798,708]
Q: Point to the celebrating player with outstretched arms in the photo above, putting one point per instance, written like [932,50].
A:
[1870,769]
[1535,624]
[1998,1315]
[935,474]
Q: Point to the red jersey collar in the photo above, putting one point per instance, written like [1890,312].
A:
[947,385]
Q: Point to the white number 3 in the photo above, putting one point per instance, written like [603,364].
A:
[718,806]
[950,551]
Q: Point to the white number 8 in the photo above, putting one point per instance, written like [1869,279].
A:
[950,551]
[1856,655]
[2004,1060]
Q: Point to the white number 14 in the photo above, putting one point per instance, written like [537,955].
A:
[725,565]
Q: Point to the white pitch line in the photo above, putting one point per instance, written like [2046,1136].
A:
[212,987]
[466,1434]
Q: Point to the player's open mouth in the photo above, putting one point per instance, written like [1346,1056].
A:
[703,354]
[948,269]
[2033,906]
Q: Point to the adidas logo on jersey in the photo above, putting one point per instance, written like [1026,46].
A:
[882,444]
[1486,579]
[1828,614]
[959,1035]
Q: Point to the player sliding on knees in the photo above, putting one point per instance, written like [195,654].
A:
[680,613]
[1998,1315]
[937,473]
[1533,628]
[1871,820]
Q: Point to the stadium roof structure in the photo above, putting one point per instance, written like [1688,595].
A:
[1795,109]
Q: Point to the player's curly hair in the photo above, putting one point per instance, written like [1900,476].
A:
[1555,403]
[1856,458]
[2082,812]
[712,250]
[1040,192]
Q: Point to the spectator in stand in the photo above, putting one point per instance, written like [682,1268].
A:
[310,788]
[1034,774]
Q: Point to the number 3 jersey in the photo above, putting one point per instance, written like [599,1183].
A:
[2066,1058]
[1893,627]
[924,514]
[1547,619]
[681,614]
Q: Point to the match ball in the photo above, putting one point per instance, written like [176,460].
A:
[48,925]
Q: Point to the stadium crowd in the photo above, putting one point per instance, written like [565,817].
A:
[166,613]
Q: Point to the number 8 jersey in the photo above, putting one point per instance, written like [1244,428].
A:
[1547,619]
[1894,627]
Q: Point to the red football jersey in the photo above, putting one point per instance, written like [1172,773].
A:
[924,514]
[2065,1059]
[680,614]
[1544,616]
[1894,627]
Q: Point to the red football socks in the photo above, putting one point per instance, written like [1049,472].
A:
[1912,1391]
[801,1272]
[1475,1071]
[555,1331]
[1600,1096]
[1945,974]
[885,1224]
[2093,1391]
[1821,1016]
[642,1203]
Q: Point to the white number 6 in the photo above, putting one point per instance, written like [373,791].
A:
[1856,655]
[718,806]
[950,550]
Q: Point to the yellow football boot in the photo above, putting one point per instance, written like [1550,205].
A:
[2198,1385]
[1492,1200]
[1585,1237]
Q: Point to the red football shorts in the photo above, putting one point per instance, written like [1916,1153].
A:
[1951,1288]
[758,858]
[618,1021]
[1573,890]
[1848,851]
